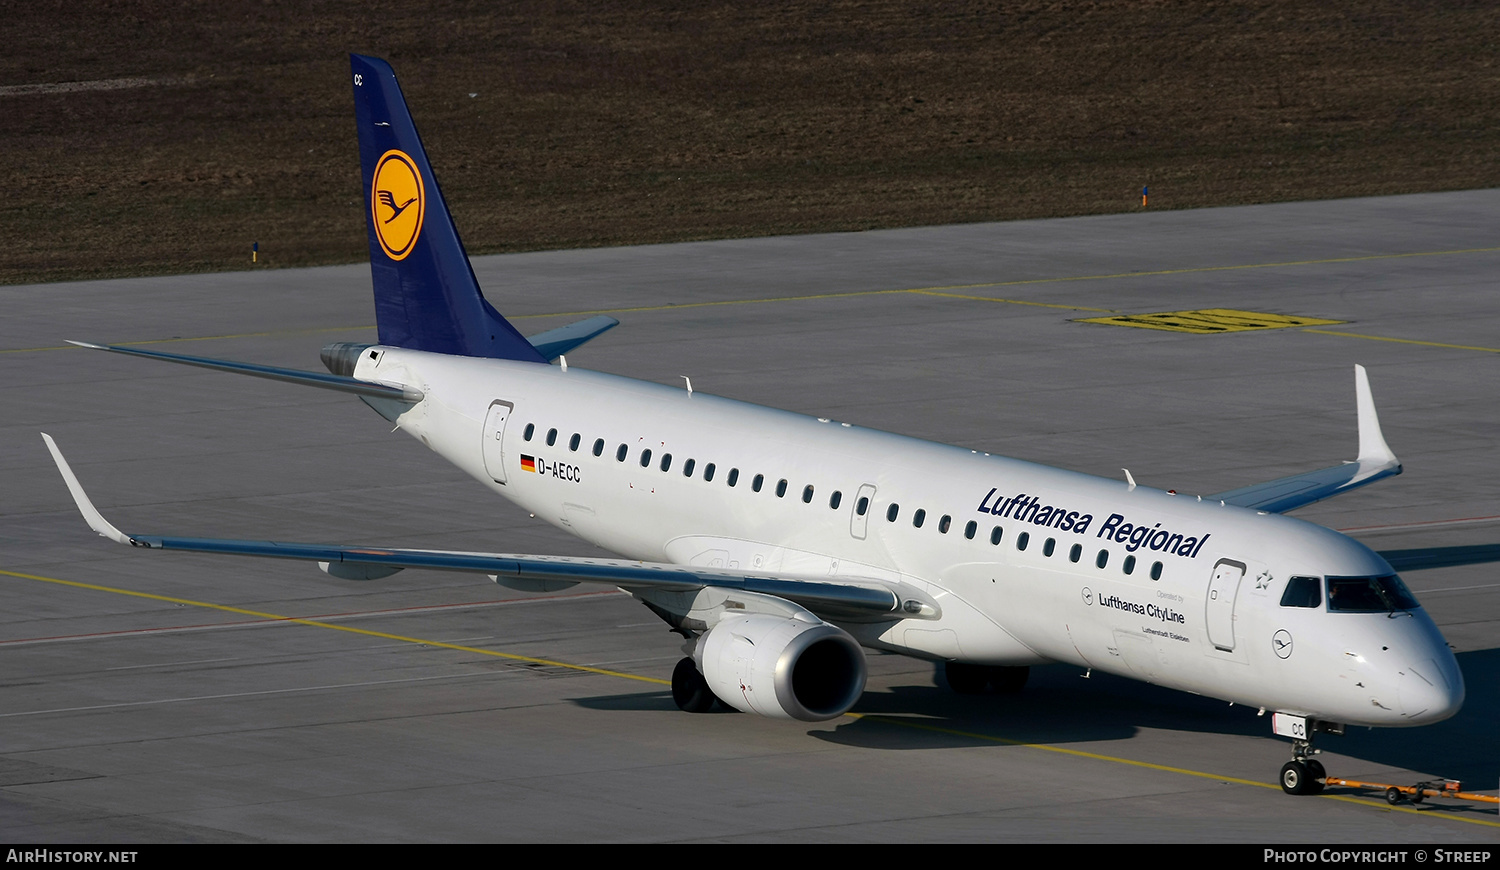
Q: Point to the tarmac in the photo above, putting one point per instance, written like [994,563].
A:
[149,697]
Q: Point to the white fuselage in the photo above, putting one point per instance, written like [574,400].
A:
[1199,608]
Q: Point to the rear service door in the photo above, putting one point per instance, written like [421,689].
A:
[494,439]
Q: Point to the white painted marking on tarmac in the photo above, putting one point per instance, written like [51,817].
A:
[1461,588]
[335,617]
[191,698]
[170,664]
[1421,524]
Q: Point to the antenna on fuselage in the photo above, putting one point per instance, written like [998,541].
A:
[1128,479]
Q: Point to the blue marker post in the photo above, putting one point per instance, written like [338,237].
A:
[1143,197]
[255,252]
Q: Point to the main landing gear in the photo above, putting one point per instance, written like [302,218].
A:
[689,690]
[967,679]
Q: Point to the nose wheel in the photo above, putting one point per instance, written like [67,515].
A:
[1303,774]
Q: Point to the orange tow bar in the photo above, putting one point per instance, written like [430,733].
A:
[1395,794]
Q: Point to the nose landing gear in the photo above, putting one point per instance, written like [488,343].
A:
[1303,774]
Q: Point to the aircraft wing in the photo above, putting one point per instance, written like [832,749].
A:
[1375,462]
[843,598]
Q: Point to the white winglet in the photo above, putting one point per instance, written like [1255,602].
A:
[86,507]
[1372,446]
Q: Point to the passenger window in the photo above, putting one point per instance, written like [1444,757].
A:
[1155,570]
[995,535]
[1302,592]
[1022,540]
[970,529]
[1102,559]
[757,483]
[687,468]
[620,453]
[833,500]
[530,430]
[1048,546]
[862,506]
[807,493]
[734,476]
[781,488]
[708,471]
[666,461]
[890,512]
[646,458]
[1129,565]
[920,517]
[944,524]
[599,447]
[1076,553]
[551,437]
[574,442]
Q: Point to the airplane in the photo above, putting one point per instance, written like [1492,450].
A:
[781,546]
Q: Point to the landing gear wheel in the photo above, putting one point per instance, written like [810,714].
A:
[1315,776]
[1295,778]
[966,679]
[689,690]
[1008,681]
[1393,795]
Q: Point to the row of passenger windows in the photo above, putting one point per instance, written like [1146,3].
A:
[919,518]
[689,466]
[1023,540]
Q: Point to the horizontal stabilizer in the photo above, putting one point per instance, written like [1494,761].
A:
[294,376]
[555,342]
[1375,462]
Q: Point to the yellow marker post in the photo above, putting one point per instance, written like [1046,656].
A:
[255,252]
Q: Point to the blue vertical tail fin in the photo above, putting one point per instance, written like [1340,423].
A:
[426,297]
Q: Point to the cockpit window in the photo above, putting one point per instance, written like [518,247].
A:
[1369,595]
[1303,592]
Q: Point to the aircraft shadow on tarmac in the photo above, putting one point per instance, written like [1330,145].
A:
[1058,707]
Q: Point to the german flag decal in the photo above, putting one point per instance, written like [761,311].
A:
[528,463]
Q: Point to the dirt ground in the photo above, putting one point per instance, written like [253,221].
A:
[192,130]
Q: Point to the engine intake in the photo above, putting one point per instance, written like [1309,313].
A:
[782,667]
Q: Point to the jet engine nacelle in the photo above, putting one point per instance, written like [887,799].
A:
[782,667]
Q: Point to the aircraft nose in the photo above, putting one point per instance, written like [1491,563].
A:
[1430,690]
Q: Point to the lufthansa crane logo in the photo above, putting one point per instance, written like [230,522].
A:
[397,202]
[1281,643]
